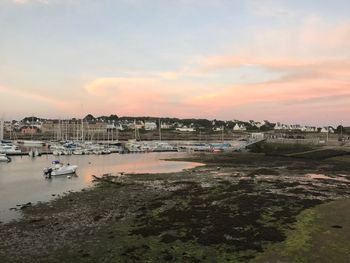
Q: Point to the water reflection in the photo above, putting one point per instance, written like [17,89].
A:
[22,180]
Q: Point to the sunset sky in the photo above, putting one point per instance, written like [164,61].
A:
[286,61]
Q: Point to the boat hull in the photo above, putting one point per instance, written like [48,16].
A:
[32,143]
[4,158]
[64,170]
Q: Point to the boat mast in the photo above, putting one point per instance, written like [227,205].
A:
[341,129]
[117,132]
[2,128]
[112,131]
[135,130]
[82,130]
[160,130]
[31,133]
[77,130]
[222,133]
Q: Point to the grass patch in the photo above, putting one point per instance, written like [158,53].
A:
[280,148]
[320,235]
[298,241]
[343,158]
[322,154]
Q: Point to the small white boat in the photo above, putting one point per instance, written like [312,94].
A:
[60,169]
[4,158]
[9,149]
[78,152]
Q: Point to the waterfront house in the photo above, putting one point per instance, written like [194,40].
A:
[29,130]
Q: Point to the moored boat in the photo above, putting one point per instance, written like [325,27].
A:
[4,158]
[9,149]
[31,143]
[60,169]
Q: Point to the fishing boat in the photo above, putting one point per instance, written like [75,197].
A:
[58,168]
[4,158]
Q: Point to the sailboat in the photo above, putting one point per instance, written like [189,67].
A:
[2,129]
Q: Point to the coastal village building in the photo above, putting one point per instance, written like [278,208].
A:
[280,126]
[218,128]
[113,126]
[260,124]
[327,130]
[239,127]
[150,126]
[295,127]
[29,130]
[164,125]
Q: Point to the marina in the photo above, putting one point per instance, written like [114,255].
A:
[17,148]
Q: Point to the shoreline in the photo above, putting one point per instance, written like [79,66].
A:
[40,190]
[232,208]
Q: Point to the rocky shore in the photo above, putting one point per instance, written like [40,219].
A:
[230,210]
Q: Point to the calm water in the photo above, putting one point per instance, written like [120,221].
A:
[22,180]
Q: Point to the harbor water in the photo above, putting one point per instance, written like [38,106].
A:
[22,180]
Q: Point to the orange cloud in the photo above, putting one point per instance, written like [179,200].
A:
[140,96]
[101,86]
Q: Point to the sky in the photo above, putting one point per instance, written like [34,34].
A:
[283,61]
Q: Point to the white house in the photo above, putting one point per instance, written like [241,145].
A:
[238,127]
[279,126]
[327,130]
[135,125]
[165,125]
[114,126]
[260,124]
[150,126]
[310,129]
[218,128]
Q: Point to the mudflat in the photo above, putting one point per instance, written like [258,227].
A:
[240,207]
